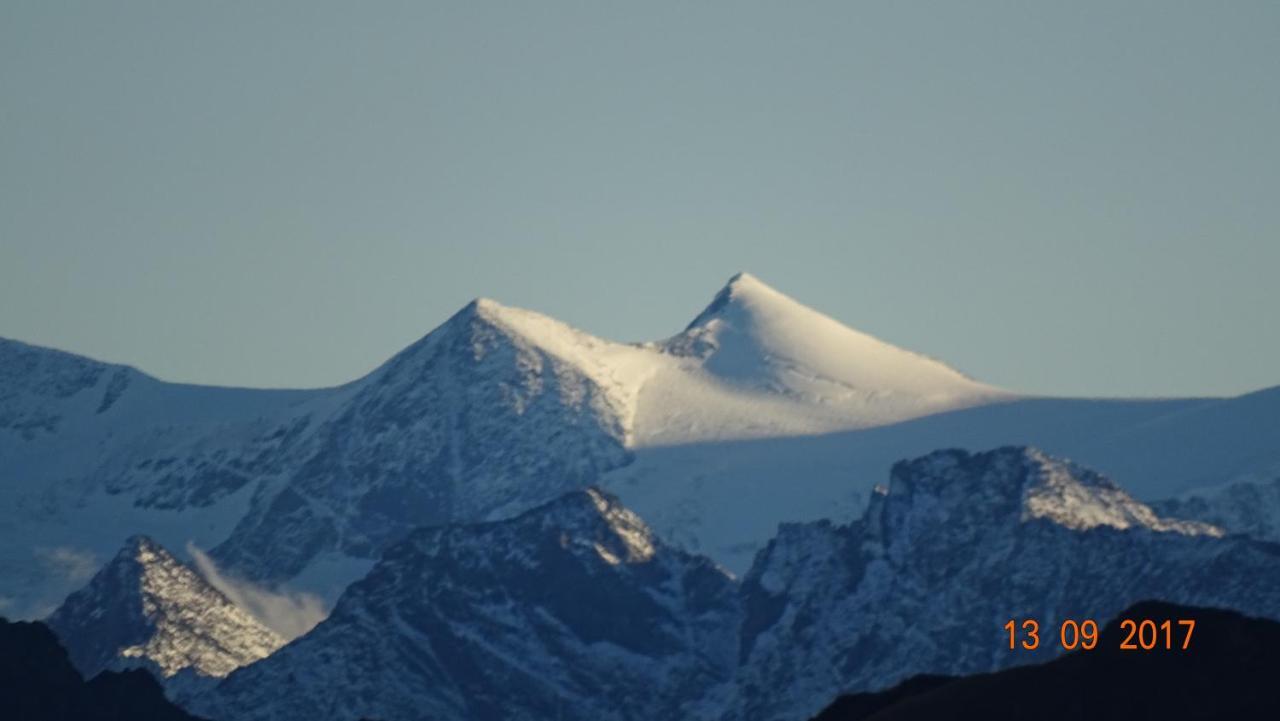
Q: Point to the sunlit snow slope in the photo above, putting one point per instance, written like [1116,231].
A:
[756,363]
[761,411]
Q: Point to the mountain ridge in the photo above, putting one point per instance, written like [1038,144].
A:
[921,584]
[945,556]
[515,618]
[499,409]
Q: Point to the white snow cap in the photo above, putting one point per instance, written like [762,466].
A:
[752,335]
[754,363]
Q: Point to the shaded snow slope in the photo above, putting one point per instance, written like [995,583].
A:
[725,498]
[754,338]
[147,609]
[761,411]
[756,364]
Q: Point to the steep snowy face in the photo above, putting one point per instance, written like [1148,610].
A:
[492,413]
[39,388]
[957,545]
[145,608]
[756,339]
[572,610]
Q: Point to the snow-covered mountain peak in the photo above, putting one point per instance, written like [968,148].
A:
[520,345]
[520,325]
[754,363]
[743,289]
[1011,485]
[147,608]
[540,330]
[755,337]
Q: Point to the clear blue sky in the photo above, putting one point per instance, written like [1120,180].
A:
[1074,198]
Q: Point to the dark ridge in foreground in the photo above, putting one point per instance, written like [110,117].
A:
[38,683]
[1229,671]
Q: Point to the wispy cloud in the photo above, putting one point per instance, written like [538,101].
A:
[288,613]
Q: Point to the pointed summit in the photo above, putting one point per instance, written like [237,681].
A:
[485,326]
[740,286]
[146,608]
[753,335]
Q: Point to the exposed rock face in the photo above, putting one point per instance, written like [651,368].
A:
[572,610]
[477,419]
[146,608]
[954,547]
[575,610]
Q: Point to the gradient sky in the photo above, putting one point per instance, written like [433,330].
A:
[1069,198]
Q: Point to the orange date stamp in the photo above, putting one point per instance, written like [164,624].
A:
[1139,634]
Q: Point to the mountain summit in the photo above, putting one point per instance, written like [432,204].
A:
[754,336]
[147,609]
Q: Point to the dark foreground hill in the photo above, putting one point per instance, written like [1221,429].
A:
[38,683]
[1228,672]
